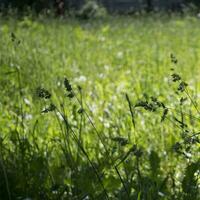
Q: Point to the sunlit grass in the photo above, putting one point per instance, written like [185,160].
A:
[108,58]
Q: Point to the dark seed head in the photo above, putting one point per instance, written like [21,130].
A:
[43,93]
[175,77]
[67,85]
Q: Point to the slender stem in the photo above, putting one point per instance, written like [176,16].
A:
[94,127]
[192,101]
[116,169]
[6,178]
[87,156]
[80,126]
[131,110]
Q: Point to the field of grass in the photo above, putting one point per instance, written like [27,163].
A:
[89,109]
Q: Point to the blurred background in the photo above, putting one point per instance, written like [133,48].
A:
[112,6]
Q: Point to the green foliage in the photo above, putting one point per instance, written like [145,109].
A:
[190,182]
[91,10]
[195,2]
[90,109]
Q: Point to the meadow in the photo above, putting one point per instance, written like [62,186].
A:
[100,109]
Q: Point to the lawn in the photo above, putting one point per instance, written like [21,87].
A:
[117,127]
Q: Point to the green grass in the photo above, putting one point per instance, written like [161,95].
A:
[107,58]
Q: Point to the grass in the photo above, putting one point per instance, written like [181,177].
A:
[108,141]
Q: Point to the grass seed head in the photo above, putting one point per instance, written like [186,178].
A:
[43,93]
[67,85]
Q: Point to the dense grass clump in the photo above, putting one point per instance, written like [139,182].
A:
[100,109]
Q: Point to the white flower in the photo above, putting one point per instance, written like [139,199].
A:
[106,67]
[107,125]
[80,79]
[120,55]
[28,116]
[93,108]
[101,75]
[102,39]
[27,102]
